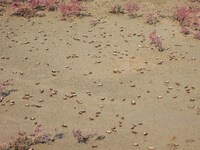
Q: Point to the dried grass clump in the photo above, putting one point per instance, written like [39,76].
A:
[82,138]
[117,9]
[152,18]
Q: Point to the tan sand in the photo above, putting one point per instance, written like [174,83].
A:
[108,63]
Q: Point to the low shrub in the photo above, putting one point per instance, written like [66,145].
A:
[131,9]
[117,9]
[185,30]
[21,9]
[196,35]
[151,18]
[73,8]
[155,40]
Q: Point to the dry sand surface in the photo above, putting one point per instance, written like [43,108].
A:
[109,80]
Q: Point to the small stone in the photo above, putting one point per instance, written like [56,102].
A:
[145,133]
[176,144]
[159,97]
[135,144]
[109,132]
[64,125]
[94,146]
[91,119]
[166,81]
[41,90]
[32,118]
[192,99]
[133,103]
[151,148]
[160,62]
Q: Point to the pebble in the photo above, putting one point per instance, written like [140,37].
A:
[135,144]
[133,103]
[109,132]
[94,146]
[145,133]
[159,97]
[64,125]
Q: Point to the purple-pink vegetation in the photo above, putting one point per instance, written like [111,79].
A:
[151,18]
[197,35]
[185,30]
[189,18]
[155,40]
[5,2]
[182,14]
[43,4]
[80,137]
[195,0]
[30,7]
[196,23]
[22,141]
[21,9]
[4,85]
[73,8]
[131,8]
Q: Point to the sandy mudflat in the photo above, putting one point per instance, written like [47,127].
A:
[107,67]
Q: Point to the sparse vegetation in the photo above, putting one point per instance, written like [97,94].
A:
[43,4]
[197,35]
[131,9]
[152,18]
[117,9]
[189,19]
[73,8]
[4,85]
[155,40]
[30,8]
[21,9]
[22,141]
[182,15]
[80,137]
[185,30]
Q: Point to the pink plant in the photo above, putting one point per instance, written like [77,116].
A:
[196,23]
[21,9]
[73,8]
[80,138]
[195,0]
[185,30]
[155,40]
[5,2]
[151,18]
[22,141]
[43,4]
[131,8]
[182,14]
[4,85]
[197,35]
